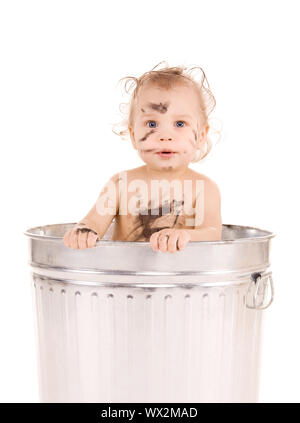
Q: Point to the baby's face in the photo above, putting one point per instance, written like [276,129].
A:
[167,120]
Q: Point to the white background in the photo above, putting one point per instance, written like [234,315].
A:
[60,64]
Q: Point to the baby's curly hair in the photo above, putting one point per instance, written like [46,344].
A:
[166,78]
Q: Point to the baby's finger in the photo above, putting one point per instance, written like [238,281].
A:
[74,239]
[172,242]
[82,238]
[92,239]
[163,242]
[153,241]
[182,241]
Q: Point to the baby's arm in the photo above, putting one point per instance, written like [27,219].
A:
[207,224]
[95,224]
[208,221]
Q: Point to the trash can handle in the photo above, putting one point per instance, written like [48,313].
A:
[256,280]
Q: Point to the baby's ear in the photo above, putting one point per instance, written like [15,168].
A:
[131,133]
[203,134]
[204,130]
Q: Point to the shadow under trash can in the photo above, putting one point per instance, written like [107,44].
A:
[122,323]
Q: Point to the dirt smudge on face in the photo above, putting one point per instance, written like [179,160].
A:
[161,108]
[144,150]
[195,134]
[192,142]
[147,135]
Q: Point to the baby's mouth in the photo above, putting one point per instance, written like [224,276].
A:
[166,153]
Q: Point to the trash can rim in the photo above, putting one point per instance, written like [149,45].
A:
[266,235]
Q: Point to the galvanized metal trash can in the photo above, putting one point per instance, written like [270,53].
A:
[122,323]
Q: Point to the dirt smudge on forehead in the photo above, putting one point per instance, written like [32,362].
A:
[161,108]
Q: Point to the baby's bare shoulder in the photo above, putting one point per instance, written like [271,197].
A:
[211,186]
[202,177]
[129,173]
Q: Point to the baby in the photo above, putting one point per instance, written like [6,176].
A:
[163,202]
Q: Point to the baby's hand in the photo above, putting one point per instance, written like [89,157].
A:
[169,240]
[80,238]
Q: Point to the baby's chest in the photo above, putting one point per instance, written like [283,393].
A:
[145,217]
[165,214]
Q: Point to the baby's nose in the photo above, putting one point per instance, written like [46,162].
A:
[166,138]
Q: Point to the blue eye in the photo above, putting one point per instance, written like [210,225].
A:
[152,124]
[151,121]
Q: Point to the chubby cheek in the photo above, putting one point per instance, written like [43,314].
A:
[145,135]
[188,142]
[144,140]
[188,154]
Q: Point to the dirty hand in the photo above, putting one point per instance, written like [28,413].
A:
[80,238]
[170,240]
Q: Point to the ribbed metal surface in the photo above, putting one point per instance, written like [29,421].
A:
[118,344]
[122,323]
